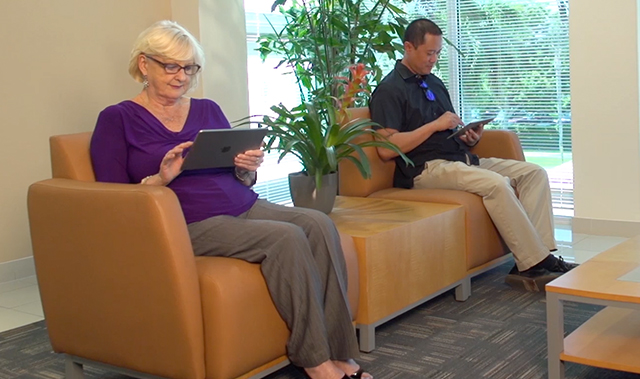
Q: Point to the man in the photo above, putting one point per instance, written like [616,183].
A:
[415,109]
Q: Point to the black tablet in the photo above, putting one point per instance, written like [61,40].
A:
[471,125]
[218,147]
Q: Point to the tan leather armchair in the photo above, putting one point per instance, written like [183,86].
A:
[485,247]
[121,288]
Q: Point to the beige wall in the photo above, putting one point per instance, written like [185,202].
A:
[220,27]
[605,111]
[223,37]
[64,61]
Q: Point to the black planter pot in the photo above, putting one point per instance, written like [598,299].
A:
[304,193]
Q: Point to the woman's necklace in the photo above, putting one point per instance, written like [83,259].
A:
[161,111]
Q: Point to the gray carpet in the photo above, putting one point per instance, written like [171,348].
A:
[498,333]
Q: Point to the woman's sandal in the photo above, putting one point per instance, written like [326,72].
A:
[355,375]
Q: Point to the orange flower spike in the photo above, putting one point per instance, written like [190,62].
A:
[359,72]
[354,86]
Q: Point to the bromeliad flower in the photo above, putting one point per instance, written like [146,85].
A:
[319,133]
[352,87]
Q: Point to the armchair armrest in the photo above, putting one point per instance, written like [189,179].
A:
[499,144]
[117,276]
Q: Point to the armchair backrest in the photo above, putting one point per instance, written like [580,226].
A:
[494,143]
[498,143]
[70,157]
[351,181]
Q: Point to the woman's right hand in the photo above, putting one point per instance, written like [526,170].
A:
[171,164]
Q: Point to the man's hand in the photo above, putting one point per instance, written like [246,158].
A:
[472,136]
[448,120]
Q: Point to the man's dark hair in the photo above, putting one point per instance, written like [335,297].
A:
[417,29]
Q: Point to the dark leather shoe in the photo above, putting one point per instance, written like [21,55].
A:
[560,265]
[532,280]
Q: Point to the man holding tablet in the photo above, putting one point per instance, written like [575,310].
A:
[415,109]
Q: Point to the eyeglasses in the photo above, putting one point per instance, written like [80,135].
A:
[174,68]
[427,92]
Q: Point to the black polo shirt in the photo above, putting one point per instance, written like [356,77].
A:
[400,103]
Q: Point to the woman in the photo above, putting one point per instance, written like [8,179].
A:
[143,140]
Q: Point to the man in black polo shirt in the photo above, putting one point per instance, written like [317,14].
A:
[415,109]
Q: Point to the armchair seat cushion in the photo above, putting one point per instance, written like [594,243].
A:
[482,238]
[242,327]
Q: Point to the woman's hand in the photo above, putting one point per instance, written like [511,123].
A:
[250,160]
[171,164]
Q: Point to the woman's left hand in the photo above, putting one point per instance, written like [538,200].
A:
[250,160]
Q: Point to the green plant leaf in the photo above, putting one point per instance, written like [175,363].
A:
[277,3]
[332,161]
[319,42]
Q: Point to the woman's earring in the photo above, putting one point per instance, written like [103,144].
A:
[145,82]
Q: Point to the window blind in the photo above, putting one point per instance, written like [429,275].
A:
[515,66]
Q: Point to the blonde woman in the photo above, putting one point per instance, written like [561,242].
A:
[143,141]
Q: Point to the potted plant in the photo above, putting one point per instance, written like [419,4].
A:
[318,134]
[327,44]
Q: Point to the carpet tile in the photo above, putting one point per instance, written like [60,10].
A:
[499,333]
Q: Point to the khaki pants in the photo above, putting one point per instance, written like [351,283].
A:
[524,220]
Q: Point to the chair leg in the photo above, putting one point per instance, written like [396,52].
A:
[73,370]
[463,291]
[367,338]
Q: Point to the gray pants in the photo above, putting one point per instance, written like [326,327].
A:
[524,220]
[303,265]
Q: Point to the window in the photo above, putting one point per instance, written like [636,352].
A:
[515,66]
[267,87]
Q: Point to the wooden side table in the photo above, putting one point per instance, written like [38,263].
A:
[611,338]
[408,252]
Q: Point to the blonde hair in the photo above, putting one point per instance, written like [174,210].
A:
[169,40]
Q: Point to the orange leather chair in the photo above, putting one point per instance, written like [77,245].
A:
[485,247]
[121,288]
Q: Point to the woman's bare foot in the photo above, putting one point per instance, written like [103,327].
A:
[350,367]
[326,370]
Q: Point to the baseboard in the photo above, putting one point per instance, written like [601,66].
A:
[597,227]
[18,269]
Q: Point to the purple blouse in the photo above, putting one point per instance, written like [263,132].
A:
[129,143]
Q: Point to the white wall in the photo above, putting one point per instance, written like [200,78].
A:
[606,115]
[65,60]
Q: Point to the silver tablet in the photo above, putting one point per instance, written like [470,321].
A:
[472,125]
[217,147]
